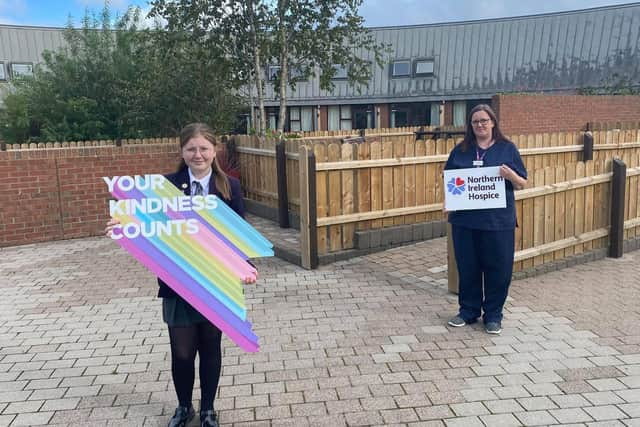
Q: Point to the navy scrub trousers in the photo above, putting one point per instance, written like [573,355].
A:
[488,255]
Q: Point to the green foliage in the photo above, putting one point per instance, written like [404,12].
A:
[615,84]
[306,36]
[120,81]
[15,120]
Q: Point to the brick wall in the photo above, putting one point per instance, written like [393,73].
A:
[52,194]
[520,114]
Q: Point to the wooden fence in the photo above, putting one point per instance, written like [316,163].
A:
[381,184]
[257,157]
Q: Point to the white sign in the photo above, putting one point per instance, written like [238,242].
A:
[474,188]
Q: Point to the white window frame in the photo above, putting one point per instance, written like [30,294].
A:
[342,72]
[272,72]
[417,63]
[17,73]
[3,71]
[296,73]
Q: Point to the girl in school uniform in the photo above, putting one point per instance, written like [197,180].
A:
[190,333]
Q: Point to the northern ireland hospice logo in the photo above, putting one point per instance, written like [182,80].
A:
[455,186]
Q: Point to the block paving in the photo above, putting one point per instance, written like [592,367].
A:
[362,342]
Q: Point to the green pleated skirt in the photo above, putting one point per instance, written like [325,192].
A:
[176,312]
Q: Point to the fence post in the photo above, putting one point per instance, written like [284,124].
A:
[452,267]
[308,209]
[618,182]
[587,150]
[283,196]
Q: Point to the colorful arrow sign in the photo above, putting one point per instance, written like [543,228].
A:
[197,245]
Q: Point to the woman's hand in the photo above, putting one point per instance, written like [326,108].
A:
[110,226]
[507,173]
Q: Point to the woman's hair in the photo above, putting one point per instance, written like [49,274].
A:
[470,137]
[193,130]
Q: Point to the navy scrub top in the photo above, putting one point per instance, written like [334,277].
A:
[501,152]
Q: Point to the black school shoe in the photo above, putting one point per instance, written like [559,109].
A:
[208,419]
[182,416]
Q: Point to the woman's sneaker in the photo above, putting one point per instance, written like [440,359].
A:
[493,328]
[457,322]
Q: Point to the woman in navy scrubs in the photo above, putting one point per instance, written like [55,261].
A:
[484,239]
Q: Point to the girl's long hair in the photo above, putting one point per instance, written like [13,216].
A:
[470,137]
[193,130]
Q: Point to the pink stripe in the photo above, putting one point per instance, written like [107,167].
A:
[186,293]
[211,242]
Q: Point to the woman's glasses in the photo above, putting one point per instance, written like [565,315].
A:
[481,122]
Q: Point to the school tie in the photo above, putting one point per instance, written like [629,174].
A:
[197,189]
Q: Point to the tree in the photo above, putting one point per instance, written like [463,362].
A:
[236,30]
[311,37]
[120,81]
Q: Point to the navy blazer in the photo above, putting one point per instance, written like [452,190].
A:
[181,180]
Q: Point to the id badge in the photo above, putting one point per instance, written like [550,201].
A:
[478,163]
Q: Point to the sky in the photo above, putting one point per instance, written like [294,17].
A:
[377,13]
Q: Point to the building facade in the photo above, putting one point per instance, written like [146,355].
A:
[436,73]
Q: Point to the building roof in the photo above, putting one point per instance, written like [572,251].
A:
[474,59]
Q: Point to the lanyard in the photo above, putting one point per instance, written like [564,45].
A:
[478,162]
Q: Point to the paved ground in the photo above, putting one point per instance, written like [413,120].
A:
[360,342]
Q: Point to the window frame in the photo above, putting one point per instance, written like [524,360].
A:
[270,76]
[298,120]
[300,77]
[346,72]
[400,76]
[28,64]
[420,60]
[3,72]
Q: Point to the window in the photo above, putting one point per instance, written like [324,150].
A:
[435,114]
[273,72]
[341,72]
[296,73]
[272,117]
[294,119]
[300,119]
[21,69]
[362,116]
[459,113]
[3,72]
[399,118]
[339,117]
[424,67]
[306,118]
[401,68]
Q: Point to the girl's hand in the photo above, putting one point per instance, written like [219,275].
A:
[250,279]
[110,226]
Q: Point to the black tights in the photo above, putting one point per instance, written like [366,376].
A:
[203,338]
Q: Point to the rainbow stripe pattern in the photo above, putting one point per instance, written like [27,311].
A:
[205,268]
